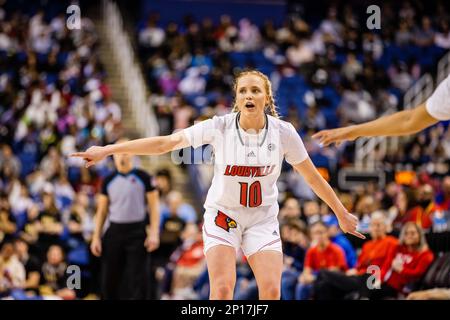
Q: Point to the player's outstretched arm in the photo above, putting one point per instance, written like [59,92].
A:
[397,124]
[145,146]
[347,221]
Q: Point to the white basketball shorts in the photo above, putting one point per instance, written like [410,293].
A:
[252,229]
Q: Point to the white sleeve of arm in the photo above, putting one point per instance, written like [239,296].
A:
[295,151]
[203,132]
[438,105]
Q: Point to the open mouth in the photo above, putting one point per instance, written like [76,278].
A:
[249,105]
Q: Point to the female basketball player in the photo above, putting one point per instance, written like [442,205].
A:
[436,108]
[241,207]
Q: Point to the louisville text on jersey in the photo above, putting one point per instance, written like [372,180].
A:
[248,171]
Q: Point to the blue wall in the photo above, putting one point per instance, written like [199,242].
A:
[256,10]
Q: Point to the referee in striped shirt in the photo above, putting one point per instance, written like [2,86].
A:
[126,197]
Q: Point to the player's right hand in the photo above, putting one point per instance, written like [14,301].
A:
[348,223]
[96,246]
[92,155]
[337,136]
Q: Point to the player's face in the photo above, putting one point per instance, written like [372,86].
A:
[251,96]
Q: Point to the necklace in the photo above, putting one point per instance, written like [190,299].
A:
[238,116]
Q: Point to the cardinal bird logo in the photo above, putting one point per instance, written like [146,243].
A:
[225,222]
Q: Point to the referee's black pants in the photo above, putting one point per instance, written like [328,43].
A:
[123,261]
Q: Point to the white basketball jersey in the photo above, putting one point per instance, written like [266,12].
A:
[246,166]
[438,105]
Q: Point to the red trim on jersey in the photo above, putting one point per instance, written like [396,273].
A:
[270,243]
[216,237]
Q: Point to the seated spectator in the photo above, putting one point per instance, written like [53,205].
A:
[52,164]
[295,243]
[422,213]
[54,276]
[12,272]
[357,104]
[9,160]
[442,38]
[424,36]
[187,263]
[351,68]
[80,228]
[365,206]
[171,229]
[300,53]
[249,37]
[31,229]
[311,210]
[336,285]
[337,237]
[443,198]
[89,183]
[404,265]
[64,193]
[21,202]
[193,83]
[331,28]
[151,36]
[32,267]
[397,211]
[8,225]
[322,255]
[76,223]
[50,223]
[177,207]
[290,210]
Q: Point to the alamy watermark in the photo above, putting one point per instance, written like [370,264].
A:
[374,280]
[73,21]
[373,22]
[73,281]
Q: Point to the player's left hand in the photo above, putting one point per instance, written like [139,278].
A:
[337,136]
[152,242]
[348,223]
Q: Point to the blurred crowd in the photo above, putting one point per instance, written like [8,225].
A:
[53,101]
[326,73]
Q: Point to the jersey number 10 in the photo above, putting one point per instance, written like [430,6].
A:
[251,196]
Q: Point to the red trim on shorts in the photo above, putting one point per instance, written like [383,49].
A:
[215,237]
[270,243]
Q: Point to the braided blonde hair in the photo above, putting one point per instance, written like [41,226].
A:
[271,108]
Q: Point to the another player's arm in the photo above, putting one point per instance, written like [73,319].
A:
[152,241]
[431,294]
[100,218]
[397,124]
[145,146]
[320,186]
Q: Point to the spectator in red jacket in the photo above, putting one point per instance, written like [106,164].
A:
[422,213]
[322,255]
[186,264]
[336,285]
[406,264]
